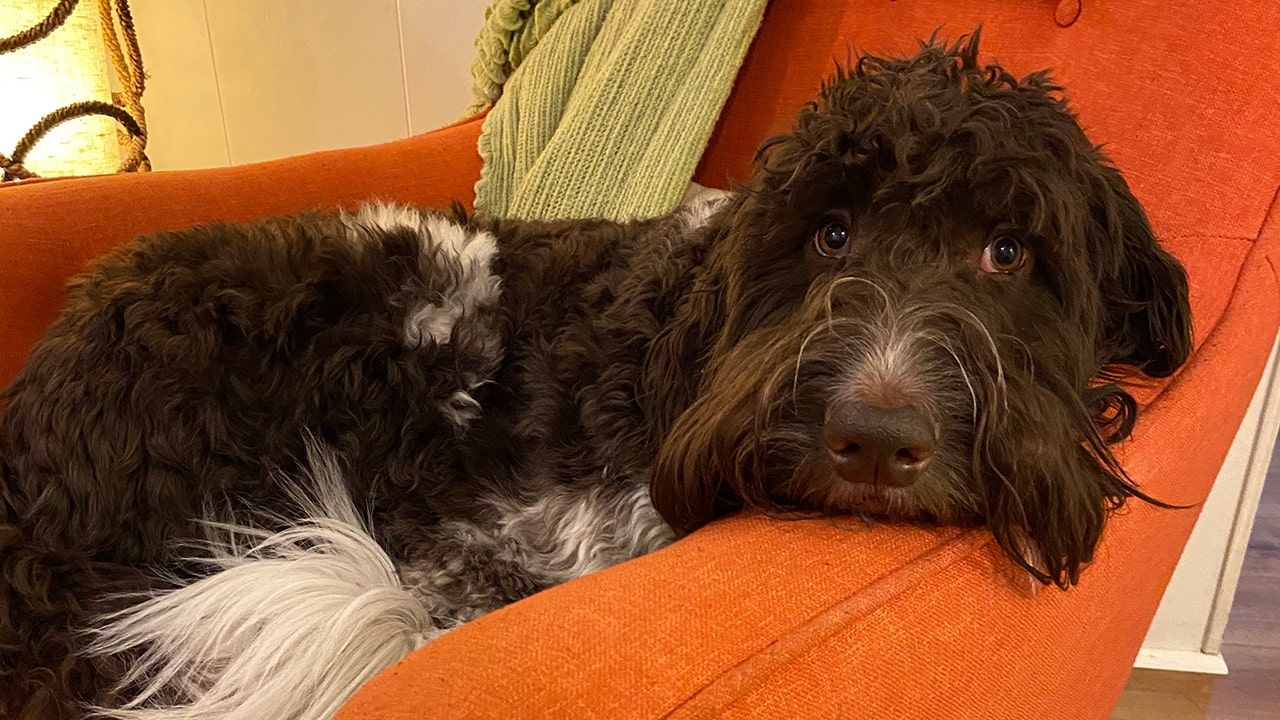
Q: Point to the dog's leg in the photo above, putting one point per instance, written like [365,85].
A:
[523,545]
[289,624]
[567,534]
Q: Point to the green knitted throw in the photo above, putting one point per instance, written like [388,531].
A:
[603,107]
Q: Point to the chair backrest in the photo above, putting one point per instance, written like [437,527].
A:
[1184,95]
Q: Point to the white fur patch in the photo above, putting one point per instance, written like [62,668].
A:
[570,534]
[450,251]
[700,203]
[385,216]
[470,255]
[457,261]
[461,408]
[289,624]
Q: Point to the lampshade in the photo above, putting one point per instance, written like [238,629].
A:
[69,65]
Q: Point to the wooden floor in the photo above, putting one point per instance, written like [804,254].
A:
[1251,646]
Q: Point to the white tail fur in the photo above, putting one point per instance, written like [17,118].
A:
[287,626]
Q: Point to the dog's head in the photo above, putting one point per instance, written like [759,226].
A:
[926,292]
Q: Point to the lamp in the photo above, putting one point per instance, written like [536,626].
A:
[56,106]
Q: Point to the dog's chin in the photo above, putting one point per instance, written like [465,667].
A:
[832,495]
[845,496]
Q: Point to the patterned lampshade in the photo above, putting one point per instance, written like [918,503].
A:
[69,65]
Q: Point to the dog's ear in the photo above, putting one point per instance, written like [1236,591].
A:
[1051,479]
[683,492]
[706,466]
[1051,523]
[1147,316]
[689,484]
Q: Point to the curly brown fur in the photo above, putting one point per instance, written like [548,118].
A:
[927,160]
[507,442]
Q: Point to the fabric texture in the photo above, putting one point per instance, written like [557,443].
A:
[609,114]
[511,30]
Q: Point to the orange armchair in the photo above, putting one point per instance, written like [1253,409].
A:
[752,617]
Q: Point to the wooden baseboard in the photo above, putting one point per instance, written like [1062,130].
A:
[1181,661]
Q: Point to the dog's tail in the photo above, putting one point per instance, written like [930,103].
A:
[288,624]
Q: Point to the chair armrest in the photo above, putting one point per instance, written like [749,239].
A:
[823,618]
[50,229]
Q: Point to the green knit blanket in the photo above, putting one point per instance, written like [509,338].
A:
[601,108]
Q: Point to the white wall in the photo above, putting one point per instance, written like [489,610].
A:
[236,81]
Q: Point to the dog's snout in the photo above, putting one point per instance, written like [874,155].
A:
[878,445]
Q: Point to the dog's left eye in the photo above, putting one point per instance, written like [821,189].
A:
[1004,255]
[832,240]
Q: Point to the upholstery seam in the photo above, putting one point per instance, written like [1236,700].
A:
[1270,215]
[820,626]
[1207,236]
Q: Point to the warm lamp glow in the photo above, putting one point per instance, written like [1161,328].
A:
[68,66]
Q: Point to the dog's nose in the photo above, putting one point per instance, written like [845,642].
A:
[879,446]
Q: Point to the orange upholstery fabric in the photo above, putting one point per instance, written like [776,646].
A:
[828,619]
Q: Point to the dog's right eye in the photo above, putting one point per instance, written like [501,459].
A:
[832,240]
[1003,256]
